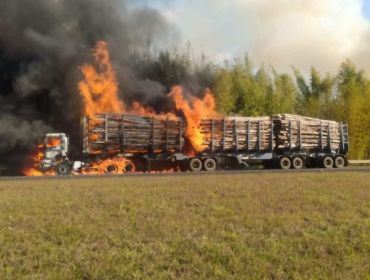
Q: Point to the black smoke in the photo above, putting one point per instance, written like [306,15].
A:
[42,44]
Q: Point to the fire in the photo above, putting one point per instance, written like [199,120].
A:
[99,89]
[35,159]
[110,166]
[138,109]
[53,142]
[194,111]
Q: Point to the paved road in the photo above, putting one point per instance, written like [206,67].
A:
[221,172]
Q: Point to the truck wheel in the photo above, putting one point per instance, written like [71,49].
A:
[111,169]
[63,169]
[130,167]
[339,162]
[195,165]
[285,163]
[328,162]
[297,163]
[210,164]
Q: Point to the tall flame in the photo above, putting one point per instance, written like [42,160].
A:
[99,89]
[100,94]
[194,110]
[34,160]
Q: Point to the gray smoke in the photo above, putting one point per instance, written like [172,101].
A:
[42,43]
[281,33]
[16,129]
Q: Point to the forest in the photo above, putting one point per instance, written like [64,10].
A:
[242,88]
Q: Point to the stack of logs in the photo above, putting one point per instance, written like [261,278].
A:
[241,134]
[117,133]
[314,133]
[254,134]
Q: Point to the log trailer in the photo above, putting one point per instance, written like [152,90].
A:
[282,141]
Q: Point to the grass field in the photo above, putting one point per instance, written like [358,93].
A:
[280,226]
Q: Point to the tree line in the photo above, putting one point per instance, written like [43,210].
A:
[243,89]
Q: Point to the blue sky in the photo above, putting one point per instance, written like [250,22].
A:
[367,8]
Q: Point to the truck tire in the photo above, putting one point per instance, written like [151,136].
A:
[195,165]
[210,164]
[130,167]
[63,169]
[111,169]
[328,162]
[339,162]
[297,163]
[285,163]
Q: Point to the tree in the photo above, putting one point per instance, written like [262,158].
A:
[284,94]
[317,97]
[223,88]
[354,101]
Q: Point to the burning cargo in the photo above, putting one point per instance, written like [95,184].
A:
[133,136]
[111,134]
[115,143]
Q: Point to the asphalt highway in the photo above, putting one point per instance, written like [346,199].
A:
[219,172]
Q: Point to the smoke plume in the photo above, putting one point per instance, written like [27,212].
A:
[281,33]
[42,44]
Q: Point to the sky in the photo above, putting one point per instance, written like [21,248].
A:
[279,33]
[366,8]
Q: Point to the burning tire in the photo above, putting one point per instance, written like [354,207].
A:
[339,162]
[285,163]
[297,163]
[111,169]
[63,169]
[195,165]
[210,164]
[328,162]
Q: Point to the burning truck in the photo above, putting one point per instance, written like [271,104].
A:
[193,136]
[121,143]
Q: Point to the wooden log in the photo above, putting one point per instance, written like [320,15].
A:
[126,133]
[315,134]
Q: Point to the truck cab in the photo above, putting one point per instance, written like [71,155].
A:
[56,153]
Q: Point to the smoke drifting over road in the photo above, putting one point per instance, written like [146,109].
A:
[42,44]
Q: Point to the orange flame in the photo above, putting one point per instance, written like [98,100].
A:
[194,111]
[35,159]
[53,142]
[138,109]
[99,89]
[100,94]
[110,166]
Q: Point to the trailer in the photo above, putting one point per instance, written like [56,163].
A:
[281,141]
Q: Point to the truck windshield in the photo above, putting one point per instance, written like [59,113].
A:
[53,142]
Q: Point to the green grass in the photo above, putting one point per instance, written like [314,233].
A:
[280,226]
